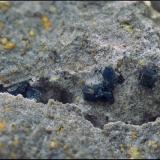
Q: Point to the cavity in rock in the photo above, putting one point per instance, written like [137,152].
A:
[54,91]
[19,88]
[97,121]
[42,92]
[33,93]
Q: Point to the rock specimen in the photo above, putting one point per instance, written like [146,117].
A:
[59,46]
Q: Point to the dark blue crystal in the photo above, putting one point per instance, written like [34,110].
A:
[111,79]
[89,93]
[18,88]
[147,77]
[104,91]
[97,93]
[33,93]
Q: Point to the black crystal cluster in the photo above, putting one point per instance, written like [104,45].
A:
[104,91]
[148,76]
[23,88]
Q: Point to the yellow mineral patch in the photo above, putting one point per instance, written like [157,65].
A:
[126,26]
[46,23]
[32,33]
[53,144]
[122,147]
[7,44]
[2,126]
[134,153]
[4,5]
[153,144]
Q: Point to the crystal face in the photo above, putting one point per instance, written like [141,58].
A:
[104,91]
[147,77]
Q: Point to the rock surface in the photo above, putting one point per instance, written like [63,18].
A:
[59,47]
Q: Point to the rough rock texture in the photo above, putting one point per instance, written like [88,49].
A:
[61,46]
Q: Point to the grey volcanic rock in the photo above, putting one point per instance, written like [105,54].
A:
[59,130]
[60,46]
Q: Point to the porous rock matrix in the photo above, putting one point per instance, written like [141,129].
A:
[58,47]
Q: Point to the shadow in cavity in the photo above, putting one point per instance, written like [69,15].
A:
[148,117]
[53,91]
[41,91]
[96,121]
